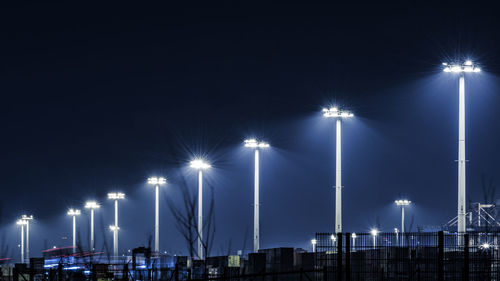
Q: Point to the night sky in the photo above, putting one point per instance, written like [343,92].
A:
[97,99]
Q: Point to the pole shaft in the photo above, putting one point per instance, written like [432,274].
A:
[27,240]
[256,237]
[402,219]
[157,218]
[338,180]
[92,246]
[200,214]
[115,233]
[22,243]
[74,234]
[461,160]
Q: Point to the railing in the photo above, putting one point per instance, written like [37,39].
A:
[408,256]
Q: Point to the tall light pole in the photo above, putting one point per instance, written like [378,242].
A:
[334,112]
[115,196]
[374,232]
[27,219]
[92,205]
[256,145]
[200,165]
[461,69]
[157,182]
[22,223]
[313,243]
[73,213]
[334,239]
[402,203]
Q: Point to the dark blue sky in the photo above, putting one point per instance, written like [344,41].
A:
[96,99]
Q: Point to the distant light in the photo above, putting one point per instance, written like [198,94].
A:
[253,143]
[477,69]
[333,237]
[402,202]
[74,212]
[199,164]
[396,230]
[114,227]
[374,232]
[334,112]
[468,62]
[54,247]
[314,241]
[155,180]
[26,217]
[21,222]
[116,195]
[445,63]
[353,235]
[485,246]
[92,205]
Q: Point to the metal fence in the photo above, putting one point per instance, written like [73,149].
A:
[408,256]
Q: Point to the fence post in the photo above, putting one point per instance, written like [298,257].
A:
[466,257]
[325,271]
[440,262]
[348,256]
[339,256]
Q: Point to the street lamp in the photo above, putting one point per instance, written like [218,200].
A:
[157,182]
[256,145]
[74,213]
[374,233]
[27,219]
[314,242]
[334,112]
[115,196]
[22,223]
[402,203]
[92,205]
[353,241]
[200,165]
[396,230]
[466,67]
[334,239]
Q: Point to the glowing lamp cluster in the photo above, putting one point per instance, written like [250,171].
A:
[402,202]
[92,205]
[116,195]
[253,143]
[155,180]
[199,164]
[334,112]
[74,212]
[467,66]
[26,217]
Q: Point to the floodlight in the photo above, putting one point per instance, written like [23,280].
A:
[199,164]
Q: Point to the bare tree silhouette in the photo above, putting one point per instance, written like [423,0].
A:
[4,248]
[245,240]
[186,219]
[489,189]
